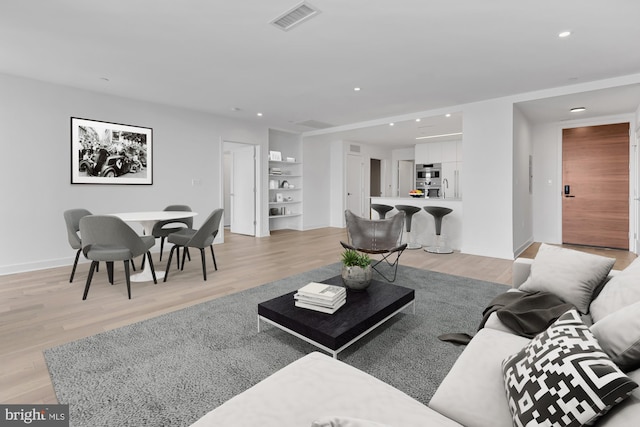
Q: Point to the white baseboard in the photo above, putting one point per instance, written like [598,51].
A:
[522,248]
[60,262]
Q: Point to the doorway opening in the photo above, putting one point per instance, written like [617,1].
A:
[375,178]
[239,184]
[595,192]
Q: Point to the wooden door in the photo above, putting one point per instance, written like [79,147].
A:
[595,175]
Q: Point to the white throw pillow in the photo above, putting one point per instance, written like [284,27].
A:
[569,274]
[622,290]
[619,336]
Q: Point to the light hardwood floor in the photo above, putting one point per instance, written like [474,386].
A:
[41,309]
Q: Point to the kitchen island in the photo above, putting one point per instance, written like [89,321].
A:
[422,225]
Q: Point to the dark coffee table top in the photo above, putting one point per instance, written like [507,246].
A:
[361,311]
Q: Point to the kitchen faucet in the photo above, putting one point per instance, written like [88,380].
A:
[445,184]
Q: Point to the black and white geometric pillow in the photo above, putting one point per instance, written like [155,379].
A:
[563,378]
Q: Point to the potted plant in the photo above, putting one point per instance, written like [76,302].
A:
[356,270]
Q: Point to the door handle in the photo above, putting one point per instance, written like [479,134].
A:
[568,195]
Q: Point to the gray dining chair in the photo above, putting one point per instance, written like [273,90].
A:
[201,238]
[162,229]
[72,220]
[108,238]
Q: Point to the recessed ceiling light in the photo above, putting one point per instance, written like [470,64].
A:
[448,115]
[357,89]
[259,114]
[564,34]
[417,120]
[438,136]
[578,109]
[392,124]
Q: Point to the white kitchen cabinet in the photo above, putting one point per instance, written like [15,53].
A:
[449,152]
[421,154]
[451,187]
[438,152]
[428,152]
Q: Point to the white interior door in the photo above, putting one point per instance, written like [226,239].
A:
[243,195]
[355,184]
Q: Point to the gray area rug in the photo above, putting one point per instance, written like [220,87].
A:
[172,369]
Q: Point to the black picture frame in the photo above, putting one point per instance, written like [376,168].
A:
[110,153]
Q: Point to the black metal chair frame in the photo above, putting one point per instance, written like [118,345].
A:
[377,237]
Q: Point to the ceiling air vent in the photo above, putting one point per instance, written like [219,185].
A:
[315,124]
[295,16]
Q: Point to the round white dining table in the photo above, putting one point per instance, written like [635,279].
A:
[148,219]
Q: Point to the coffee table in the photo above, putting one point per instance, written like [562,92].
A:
[362,313]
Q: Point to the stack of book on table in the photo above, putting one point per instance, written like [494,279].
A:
[321,297]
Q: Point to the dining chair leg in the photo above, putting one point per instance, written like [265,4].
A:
[127,276]
[214,258]
[161,246]
[178,257]
[133,265]
[75,264]
[94,264]
[204,264]
[110,271]
[153,270]
[166,273]
[142,263]
[184,253]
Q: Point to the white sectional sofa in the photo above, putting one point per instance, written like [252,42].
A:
[319,391]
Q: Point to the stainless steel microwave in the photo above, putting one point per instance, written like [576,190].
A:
[428,171]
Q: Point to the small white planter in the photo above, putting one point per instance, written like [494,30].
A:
[356,278]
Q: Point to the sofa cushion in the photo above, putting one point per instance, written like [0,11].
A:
[562,377]
[339,421]
[316,386]
[571,275]
[623,289]
[619,336]
[628,412]
[473,393]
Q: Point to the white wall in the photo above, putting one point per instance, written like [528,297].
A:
[547,183]
[488,178]
[522,198]
[317,176]
[35,177]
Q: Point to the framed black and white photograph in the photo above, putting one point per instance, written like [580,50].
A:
[110,153]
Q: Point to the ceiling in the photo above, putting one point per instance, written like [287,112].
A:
[224,57]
